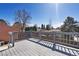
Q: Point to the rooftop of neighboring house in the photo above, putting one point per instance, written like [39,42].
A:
[77,24]
[3,21]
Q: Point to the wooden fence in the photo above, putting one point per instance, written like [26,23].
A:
[65,38]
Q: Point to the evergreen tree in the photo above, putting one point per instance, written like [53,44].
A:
[69,26]
[48,27]
[35,27]
[42,26]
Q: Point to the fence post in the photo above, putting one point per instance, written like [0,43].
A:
[11,40]
[40,36]
[54,44]
[30,36]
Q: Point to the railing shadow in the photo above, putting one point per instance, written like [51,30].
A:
[62,49]
[65,41]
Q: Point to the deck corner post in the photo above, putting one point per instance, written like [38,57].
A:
[11,39]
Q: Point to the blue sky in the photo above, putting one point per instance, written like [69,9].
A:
[41,13]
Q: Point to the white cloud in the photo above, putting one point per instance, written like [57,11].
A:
[57,25]
[30,24]
[54,25]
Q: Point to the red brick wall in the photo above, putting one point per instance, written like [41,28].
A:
[4,29]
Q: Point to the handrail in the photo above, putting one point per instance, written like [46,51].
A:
[68,38]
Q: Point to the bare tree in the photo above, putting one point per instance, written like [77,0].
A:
[23,17]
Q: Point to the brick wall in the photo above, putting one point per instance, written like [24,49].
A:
[5,29]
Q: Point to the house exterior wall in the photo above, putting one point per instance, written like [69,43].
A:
[5,29]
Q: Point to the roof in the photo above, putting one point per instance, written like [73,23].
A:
[77,24]
[16,23]
[1,20]
[5,22]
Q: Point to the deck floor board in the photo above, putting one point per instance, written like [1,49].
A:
[28,48]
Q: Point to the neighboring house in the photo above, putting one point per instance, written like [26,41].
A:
[76,24]
[16,27]
[5,29]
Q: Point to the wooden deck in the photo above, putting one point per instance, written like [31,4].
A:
[28,48]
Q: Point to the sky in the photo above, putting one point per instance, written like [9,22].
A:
[41,13]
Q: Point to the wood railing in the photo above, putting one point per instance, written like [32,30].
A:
[65,38]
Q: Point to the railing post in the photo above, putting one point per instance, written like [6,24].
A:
[54,44]
[11,40]
[78,40]
[30,34]
[40,35]
[66,38]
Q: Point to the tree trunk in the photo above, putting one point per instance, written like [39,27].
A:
[23,27]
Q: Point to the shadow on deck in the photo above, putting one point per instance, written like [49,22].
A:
[29,48]
[59,48]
